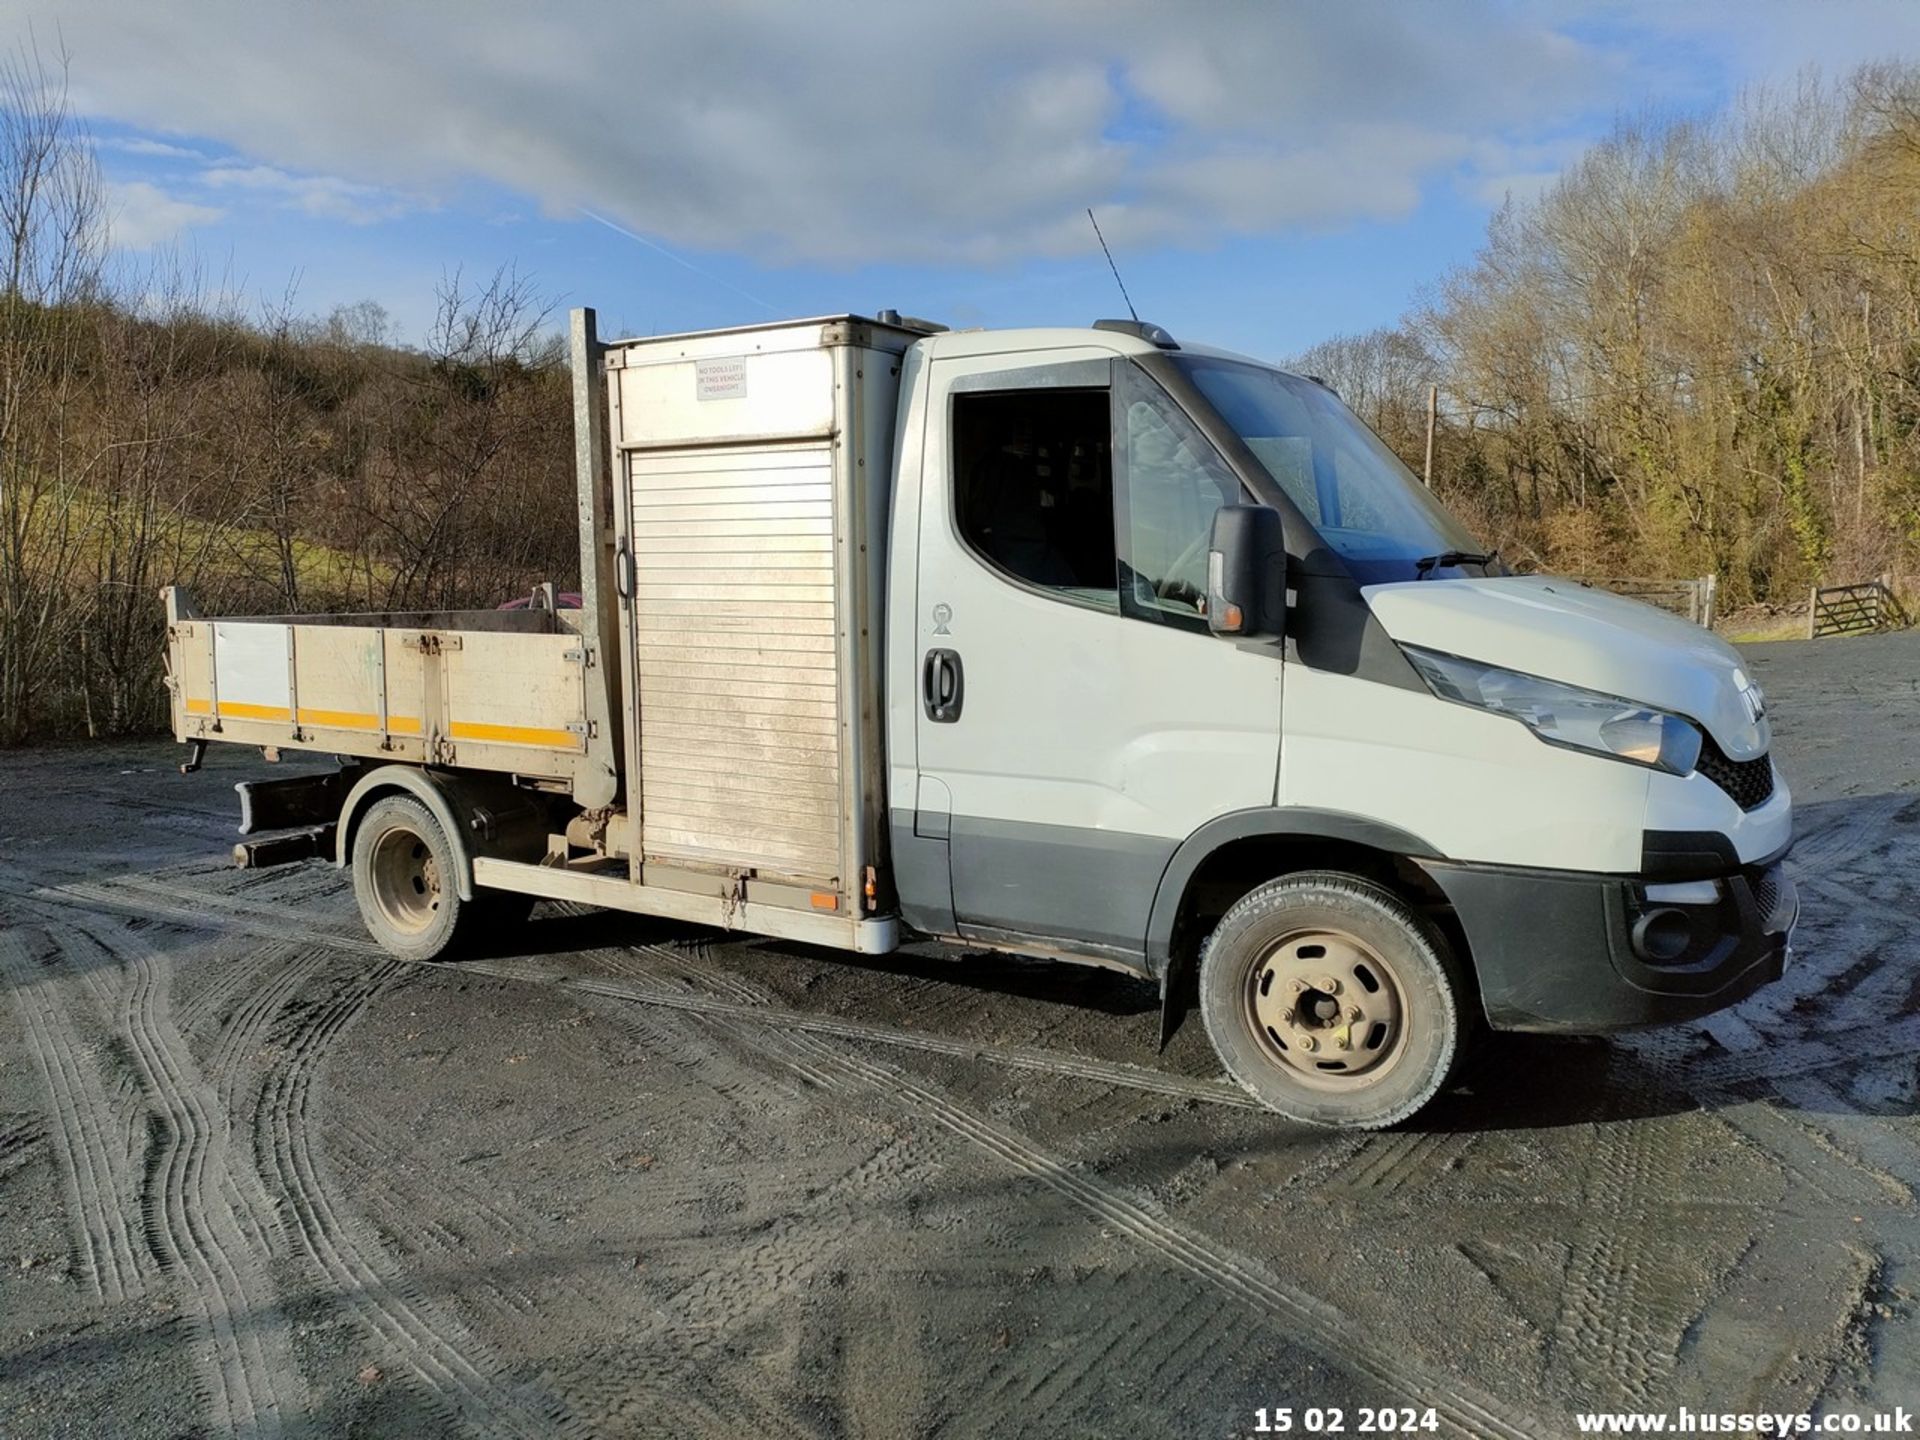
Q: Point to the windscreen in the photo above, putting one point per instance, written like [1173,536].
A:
[1367,506]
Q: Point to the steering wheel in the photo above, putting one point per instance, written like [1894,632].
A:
[1163,587]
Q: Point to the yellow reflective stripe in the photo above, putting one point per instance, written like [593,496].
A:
[326,719]
[515,735]
[339,719]
[238,710]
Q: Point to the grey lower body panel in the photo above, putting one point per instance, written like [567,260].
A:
[1056,884]
[922,875]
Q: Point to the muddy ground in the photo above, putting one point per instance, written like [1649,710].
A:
[634,1178]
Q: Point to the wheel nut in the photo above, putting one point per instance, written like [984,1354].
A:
[1353,1013]
[1297,985]
[1309,1044]
[1330,985]
[1287,1017]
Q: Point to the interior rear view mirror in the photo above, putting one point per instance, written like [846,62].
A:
[1246,573]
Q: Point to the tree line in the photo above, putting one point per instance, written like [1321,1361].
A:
[1697,352]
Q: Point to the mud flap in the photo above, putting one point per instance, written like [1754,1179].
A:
[1177,996]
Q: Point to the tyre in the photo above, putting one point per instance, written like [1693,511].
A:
[1332,1001]
[405,881]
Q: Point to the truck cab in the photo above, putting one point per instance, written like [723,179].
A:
[1078,643]
[1407,773]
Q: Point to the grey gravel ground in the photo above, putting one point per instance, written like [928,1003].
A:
[630,1178]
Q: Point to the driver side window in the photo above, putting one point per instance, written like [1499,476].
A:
[1172,482]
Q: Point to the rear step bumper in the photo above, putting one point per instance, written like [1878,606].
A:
[313,842]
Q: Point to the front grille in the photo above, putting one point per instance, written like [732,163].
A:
[1749,782]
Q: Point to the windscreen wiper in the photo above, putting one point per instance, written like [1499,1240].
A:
[1447,559]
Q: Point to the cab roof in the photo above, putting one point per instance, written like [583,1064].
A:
[936,344]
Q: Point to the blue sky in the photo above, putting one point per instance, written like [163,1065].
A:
[1268,175]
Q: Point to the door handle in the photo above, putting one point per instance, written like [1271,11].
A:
[942,686]
[623,571]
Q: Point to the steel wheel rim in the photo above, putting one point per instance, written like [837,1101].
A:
[1327,1008]
[406,880]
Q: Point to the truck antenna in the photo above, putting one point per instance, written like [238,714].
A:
[1111,266]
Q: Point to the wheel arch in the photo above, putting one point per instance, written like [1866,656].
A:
[1260,844]
[413,781]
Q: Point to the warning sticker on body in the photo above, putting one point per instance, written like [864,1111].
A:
[721,379]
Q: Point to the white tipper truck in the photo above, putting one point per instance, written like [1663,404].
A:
[1072,643]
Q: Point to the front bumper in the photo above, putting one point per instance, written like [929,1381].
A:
[1571,953]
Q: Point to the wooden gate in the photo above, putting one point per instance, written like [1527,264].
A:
[1853,609]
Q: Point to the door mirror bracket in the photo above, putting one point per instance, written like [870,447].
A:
[1246,573]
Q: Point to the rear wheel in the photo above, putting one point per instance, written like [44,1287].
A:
[406,883]
[1332,1001]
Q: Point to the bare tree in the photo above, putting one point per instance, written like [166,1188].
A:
[53,219]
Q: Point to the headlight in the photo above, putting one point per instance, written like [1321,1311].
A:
[1565,714]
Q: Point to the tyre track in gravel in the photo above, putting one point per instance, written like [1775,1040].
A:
[116,896]
[1388,1164]
[830,1229]
[84,1126]
[676,1371]
[438,1354]
[1606,1333]
[1301,1317]
[685,1347]
[1617,1328]
[1858,833]
[377,1174]
[1049,1062]
[191,1214]
[269,910]
[681,1371]
[239,981]
[20,1139]
[1837,1006]
[462,1377]
[286,969]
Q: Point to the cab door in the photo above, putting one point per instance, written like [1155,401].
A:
[1076,720]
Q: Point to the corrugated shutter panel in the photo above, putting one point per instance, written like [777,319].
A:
[734,625]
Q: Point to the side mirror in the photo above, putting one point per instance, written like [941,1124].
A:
[1246,573]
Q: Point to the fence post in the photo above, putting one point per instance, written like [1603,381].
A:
[1813,611]
[1713,591]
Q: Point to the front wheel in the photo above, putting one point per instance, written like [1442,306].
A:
[1332,1001]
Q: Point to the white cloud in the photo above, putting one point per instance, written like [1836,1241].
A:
[325,197]
[907,132]
[147,148]
[143,215]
